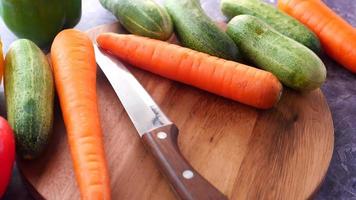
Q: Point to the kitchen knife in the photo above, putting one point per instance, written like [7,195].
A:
[158,133]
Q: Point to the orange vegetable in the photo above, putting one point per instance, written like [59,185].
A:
[1,62]
[336,35]
[232,80]
[74,70]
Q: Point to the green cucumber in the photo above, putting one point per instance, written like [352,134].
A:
[292,63]
[29,94]
[197,31]
[141,17]
[279,20]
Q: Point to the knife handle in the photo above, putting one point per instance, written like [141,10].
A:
[187,183]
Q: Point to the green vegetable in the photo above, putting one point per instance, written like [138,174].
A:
[197,31]
[73,13]
[29,93]
[280,21]
[40,20]
[295,65]
[141,17]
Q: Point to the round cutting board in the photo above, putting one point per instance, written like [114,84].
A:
[281,153]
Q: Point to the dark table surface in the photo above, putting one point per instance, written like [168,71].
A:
[339,89]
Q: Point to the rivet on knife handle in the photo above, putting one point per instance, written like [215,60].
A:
[188,183]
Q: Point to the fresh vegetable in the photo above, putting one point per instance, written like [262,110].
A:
[141,17]
[226,78]
[40,20]
[280,21]
[7,154]
[29,93]
[73,12]
[1,62]
[295,65]
[197,31]
[74,70]
[337,37]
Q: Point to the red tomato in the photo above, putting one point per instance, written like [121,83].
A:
[7,154]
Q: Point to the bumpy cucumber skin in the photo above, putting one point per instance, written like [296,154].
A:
[142,17]
[29,93]
[295,65]
[197,31]
[279,20]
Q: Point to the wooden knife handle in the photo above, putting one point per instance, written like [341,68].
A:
[186,182]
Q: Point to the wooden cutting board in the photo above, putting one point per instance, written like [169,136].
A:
[281,153]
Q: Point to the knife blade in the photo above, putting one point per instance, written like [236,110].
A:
[142,110]
[157,131]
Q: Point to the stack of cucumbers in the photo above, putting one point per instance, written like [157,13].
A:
[257,33]
[276,42]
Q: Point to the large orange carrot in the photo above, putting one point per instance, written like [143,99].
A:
[236,81]
[74,69]
[336,35]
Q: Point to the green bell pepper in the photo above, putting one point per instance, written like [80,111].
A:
[40,20]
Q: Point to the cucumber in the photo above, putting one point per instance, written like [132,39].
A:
[141,17]
[279,20]
[293,64]
[29,94]
[197,31]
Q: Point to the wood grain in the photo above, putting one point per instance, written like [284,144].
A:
[173,165]
[281,153]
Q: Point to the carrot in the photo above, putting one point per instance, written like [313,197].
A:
[232,80]
[1,62]
[338,38]
[74,70]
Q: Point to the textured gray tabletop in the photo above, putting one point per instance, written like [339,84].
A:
[339,89]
